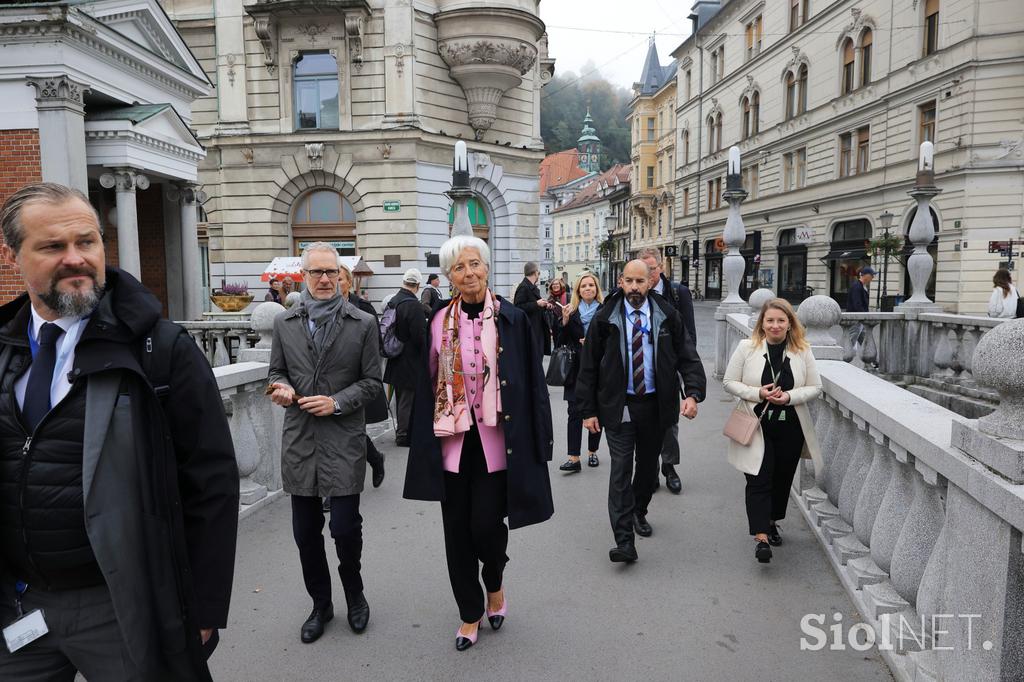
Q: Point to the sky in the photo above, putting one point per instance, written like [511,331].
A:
[616,38]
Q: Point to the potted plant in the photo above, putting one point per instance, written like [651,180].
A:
[232,298]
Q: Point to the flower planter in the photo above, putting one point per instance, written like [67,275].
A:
[231,303]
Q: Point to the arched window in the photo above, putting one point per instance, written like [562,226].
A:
[316,91]
[718,131]
[477,218]
[848,73]
[711,134]
[865,57]
[847,256]
[790,95]
[324,215]
[686,146]
[802,88]
[746,119]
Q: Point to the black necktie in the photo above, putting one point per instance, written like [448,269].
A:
[40,376]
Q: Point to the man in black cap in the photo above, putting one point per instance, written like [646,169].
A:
[857,301]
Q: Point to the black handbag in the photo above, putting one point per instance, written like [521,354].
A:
[560,366]
[1020,306]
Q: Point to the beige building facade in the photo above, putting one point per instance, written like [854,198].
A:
[829,103]
[337,121]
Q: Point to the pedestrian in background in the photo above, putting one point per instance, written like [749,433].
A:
[431,295]
[274,294]
[1003,302]
[325,370]
[858,300]
[118,482]
[528,299]
[410,329]
[634,355]
[570,331]
[773,371]
[481,433]
[678,295]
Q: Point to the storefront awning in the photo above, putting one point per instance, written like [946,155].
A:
[846,254]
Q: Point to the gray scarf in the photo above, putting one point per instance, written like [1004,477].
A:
[324,314]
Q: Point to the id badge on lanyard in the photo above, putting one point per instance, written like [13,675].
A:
[28,627]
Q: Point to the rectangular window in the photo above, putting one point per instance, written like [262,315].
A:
[650,129]
[547,232]
[689,85]
[661,173]
[686,146]
[686,201]
[755,30]
[787,171]
[750,180]
[577,227]
[659,221]
[721,62]
[865,58]
[650,177]
[561,232]
[800,176]
[714,194]
[845,154]
[547,253]
[805,15]
[587,227]
[586,252]
[315,77]
[931,26]
[714,66]
[794,15]
[577,252]
[926,115]
[863,144]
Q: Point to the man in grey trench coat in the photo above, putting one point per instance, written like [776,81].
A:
[325,369]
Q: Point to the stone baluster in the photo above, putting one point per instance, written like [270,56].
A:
[869,349]
[246,440]
[944,350]
[871,493]
[922,231]
[968,344]
[841,459]
[956,340]
[849,349]
[892,513]
[857,471]
[219,345]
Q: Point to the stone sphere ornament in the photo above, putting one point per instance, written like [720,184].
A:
[819,314]
[758,299]
[998,363]
[262,321]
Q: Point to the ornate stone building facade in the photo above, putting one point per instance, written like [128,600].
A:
[829,102]
[335,120]
[98,96]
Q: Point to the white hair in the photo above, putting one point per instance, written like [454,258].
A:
[453,248]
[319,246]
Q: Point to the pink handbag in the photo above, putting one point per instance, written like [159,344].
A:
[741,425]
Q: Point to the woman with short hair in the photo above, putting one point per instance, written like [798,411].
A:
[481,433]
[570,330]
[774,375]
[1003,302]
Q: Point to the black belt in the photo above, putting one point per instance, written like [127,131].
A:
[641,398]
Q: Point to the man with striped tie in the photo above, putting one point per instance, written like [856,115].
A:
[637,362]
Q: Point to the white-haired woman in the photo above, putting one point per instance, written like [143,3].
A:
[570,330]
[481,433]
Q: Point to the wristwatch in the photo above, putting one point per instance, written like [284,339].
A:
[337,407]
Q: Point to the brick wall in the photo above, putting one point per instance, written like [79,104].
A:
[19,165]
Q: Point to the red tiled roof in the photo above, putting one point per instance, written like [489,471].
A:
[617,174]
[559,168]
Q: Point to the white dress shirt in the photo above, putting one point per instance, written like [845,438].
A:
[60,386]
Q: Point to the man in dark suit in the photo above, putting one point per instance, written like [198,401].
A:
[529,300]
[678,295]
[857,301]
[634,355]
[411,330]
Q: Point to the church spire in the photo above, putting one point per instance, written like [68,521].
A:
[589,145]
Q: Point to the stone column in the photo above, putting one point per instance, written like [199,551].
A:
[191,272]
[61,114]
[126,180]
[232,100]
[922,232]
[733,264]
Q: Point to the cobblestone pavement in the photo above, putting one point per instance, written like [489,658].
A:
[697,606]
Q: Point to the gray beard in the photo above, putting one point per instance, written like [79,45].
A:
[73,303]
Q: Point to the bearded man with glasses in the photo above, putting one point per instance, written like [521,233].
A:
[325,370]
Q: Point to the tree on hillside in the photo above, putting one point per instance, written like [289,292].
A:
[564,103]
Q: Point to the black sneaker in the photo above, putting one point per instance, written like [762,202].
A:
[763,552]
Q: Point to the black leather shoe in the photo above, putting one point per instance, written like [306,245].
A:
[571,467]
[402,441]
[672,482]
[774,539]
[623,554]
[377,466]
[314,625]
[640,525]
[358,612]
[593,461]
[763,552]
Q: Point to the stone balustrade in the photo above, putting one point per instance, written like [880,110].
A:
[221,340]
[920,510]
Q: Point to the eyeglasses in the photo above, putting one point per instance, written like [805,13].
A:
[317,274]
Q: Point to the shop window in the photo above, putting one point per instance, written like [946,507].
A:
[316,91]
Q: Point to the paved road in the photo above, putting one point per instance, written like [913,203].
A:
[697,606]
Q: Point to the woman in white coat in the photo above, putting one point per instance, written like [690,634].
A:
[773,370]
[1003,302]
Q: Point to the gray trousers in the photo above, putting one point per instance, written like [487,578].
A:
[403,408]
[83,637]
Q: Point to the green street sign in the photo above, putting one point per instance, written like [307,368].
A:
[392,206]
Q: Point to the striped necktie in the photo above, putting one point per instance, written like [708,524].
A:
[639,387]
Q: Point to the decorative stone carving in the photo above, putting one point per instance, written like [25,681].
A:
[124,180]
[315,153]
[248,153]
[400,59]
[488,51]
[58,92]
[266,13]
[354,31]
[231,59]
[266,30]
[313,31]
[385,150]
[482,162]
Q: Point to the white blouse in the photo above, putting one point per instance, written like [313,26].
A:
[1003,306]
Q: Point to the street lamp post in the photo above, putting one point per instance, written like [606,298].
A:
[885,220]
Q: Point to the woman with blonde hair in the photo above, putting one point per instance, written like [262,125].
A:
[570,330]
[774,375]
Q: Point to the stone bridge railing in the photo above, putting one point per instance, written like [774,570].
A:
[221,340]
[920,510]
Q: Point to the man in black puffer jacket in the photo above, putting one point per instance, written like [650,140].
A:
[118,482]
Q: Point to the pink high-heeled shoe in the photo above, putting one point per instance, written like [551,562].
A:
[463,642]
[497,618]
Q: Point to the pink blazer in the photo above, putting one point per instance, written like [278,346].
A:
[491,437]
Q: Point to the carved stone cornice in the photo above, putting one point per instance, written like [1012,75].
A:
[519,56]
[57,92]
[267,14]
[124,180]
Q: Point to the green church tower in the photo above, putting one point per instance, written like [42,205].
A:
[589,146]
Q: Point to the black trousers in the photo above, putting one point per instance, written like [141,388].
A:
[640,438]
[347,531]
[575,429]
[473,513]
[403,410]
[767,494]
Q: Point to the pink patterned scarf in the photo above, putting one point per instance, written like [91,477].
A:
[451,410]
